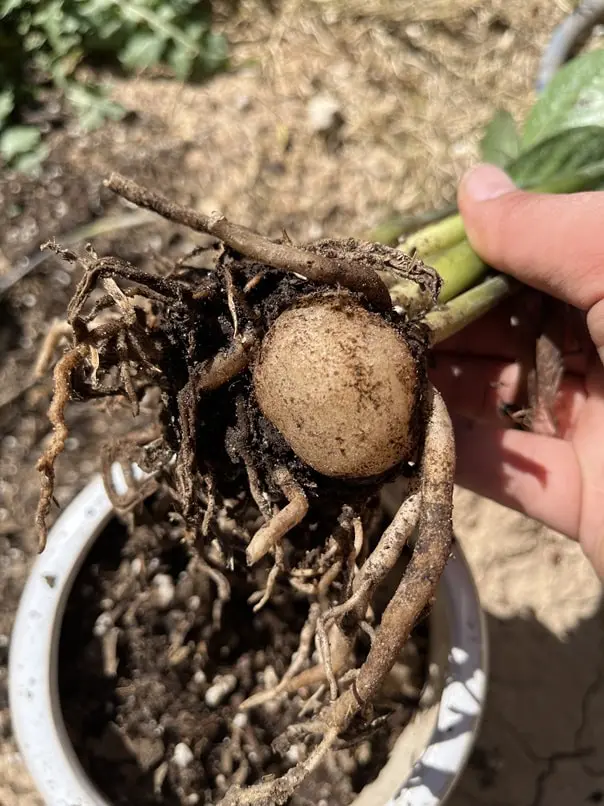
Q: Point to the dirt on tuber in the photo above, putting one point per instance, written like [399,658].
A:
[341,386]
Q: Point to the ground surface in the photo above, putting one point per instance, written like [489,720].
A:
[413,86]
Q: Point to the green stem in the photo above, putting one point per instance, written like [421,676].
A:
[391,229]
[436,237]
[387,231]
[459,267]
[466,308]
[444,246]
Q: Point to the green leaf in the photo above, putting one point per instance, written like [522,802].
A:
[18,140]
[501,141]
[181,61]
[92,106]
[6,6]
[561,155]
[573,98]
[142,51]
[213,55]
[66,65]
[31,162]
[158,22]
[42,42]
[7,104]
[96,8]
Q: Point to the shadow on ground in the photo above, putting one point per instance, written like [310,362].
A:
[542,740]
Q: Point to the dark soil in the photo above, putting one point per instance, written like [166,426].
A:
[140,660]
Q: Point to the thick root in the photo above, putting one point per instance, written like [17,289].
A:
[356,276]
[418,585]
[56,414]
[278,792]
[291,515]
[226,365]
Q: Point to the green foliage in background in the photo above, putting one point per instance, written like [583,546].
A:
[43,42]
[562,140]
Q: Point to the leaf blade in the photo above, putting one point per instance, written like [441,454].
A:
[562,154]
[142,51]
[18,140]
[7,104]
[574,98]
[500,142]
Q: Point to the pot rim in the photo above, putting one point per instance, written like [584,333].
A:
[33,669]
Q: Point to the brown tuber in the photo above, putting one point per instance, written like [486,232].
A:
[340,384]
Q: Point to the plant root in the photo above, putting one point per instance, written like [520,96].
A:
[223,587]
[56,414]
[291,515]
[226,365]
[262,597]
[418,584]
[371,575]
[58,330]
[414,592]
[278,792]
[281,256]
[125,452]
[183,345]
[298,660]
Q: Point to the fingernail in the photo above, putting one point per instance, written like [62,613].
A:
[486,182]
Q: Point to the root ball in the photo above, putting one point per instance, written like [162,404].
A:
[340,384]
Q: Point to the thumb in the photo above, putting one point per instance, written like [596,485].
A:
[552,242]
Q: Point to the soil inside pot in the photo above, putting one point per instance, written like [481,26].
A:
[151,690]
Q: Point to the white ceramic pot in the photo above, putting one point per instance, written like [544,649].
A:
[427,759]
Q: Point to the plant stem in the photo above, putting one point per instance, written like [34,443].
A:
[436,237]
[444,247]
[284,256]
[450,230]
[460,268]
[391,229]
[466,308]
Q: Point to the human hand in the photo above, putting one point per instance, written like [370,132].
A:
[554,244]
